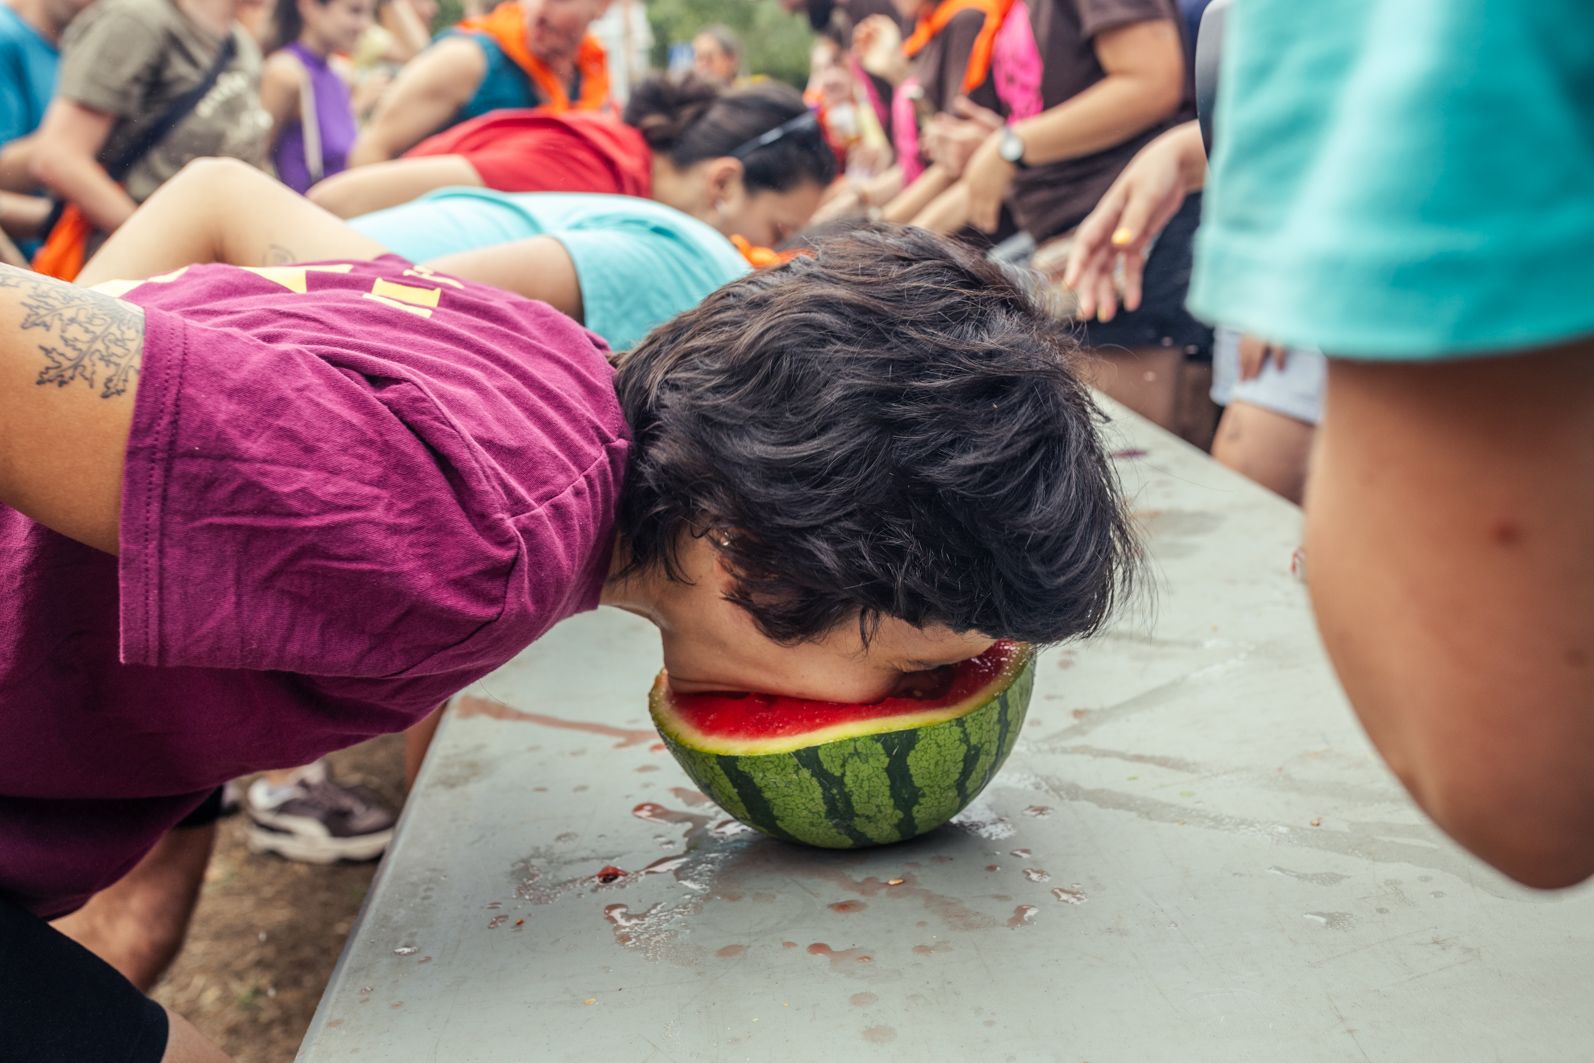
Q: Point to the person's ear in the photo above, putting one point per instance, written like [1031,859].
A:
[725,188]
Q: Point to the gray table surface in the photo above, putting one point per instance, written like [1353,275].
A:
[1193,854]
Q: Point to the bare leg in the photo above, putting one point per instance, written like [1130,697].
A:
[417,740]
[184,1044]
[222,210]
[138,924]
[1145,379]
[1267,447]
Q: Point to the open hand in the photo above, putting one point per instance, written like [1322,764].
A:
[877,45]
[1118,232]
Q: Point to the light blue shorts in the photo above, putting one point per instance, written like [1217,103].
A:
[1294,391]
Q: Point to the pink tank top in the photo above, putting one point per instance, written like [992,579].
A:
[1016,65]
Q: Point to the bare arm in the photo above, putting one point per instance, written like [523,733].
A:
[65,160]
[1450,545]
[223,210]
[388,184]
[409,33]
[16,164]
[907,204]
[281,80]
[1144,82]
[538,267]
[1143,63]
[428,92]
[10,255]
[947,213]
[69,363]
[23,216]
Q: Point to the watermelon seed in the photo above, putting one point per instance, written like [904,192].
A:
[894,882]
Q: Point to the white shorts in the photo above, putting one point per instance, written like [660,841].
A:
[1294,391]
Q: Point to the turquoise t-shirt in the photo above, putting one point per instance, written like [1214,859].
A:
[28,65]
[639,263]
[1403,179]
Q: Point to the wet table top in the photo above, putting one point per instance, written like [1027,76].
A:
[1193,854]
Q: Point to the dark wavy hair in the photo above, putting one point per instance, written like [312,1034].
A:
[887,426]
[688,119]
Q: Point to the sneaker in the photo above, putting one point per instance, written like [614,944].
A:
[315,820]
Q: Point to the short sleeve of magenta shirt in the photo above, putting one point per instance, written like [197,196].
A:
[360,470]
[351,489]
[537,151]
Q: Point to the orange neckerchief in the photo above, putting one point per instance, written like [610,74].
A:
[506,24]
[762,257]
[979,65]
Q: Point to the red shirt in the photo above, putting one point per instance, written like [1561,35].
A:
[537,151]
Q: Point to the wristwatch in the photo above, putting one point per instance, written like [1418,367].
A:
[1011,148]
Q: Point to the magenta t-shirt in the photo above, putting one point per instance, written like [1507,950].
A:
[351,489]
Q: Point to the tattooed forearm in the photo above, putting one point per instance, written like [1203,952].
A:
[84,335]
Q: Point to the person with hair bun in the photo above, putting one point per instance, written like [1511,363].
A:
[668,124]
[729,175]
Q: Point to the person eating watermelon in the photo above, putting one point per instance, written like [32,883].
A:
[289,491]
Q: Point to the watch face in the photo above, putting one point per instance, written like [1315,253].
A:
[1011,148]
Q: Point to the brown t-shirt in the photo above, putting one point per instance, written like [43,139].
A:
[1052,199]
[941,64]
[132,58]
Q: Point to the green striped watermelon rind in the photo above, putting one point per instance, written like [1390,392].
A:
[870,789]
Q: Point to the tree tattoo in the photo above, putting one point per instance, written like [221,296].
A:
[88,336]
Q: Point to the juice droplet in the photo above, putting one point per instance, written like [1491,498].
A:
[1023,915]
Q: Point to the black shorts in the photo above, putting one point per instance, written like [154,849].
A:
[208,812]
[60,1003]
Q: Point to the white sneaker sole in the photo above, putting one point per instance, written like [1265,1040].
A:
[326,850]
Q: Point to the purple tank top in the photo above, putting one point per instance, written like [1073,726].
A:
[334,118]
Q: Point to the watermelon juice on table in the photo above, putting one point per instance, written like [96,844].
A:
[846,776]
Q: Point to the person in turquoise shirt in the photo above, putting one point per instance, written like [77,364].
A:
[636,263]
[1410,187]
[721,193]
[30,37]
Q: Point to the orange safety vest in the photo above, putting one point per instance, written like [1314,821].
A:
[506,25]
[979,65]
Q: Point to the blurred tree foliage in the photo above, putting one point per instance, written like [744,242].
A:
[774,43]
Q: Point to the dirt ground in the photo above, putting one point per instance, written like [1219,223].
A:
[267,932]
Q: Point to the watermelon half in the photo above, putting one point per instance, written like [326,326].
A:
[846,776]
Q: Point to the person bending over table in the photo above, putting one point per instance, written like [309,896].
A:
[524,53]
[276,510]
[662,147]
[618,263]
